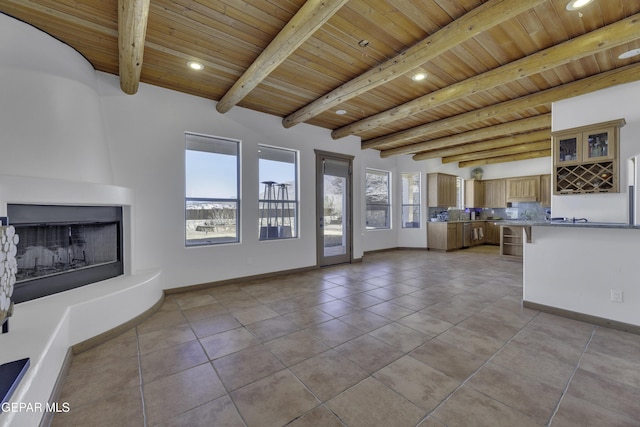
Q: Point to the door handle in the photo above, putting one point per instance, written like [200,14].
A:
[321,222]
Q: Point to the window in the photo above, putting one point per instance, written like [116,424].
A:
[378,215]
[278,200]
[212,201]
[459,193]
[411,200]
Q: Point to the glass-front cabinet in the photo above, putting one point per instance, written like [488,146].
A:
[585,159]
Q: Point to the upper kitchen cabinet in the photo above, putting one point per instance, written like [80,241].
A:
[441,190]
[523,189]
[495,195]
[586,159]
[474,195]
[545,191]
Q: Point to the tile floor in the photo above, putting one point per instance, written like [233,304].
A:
[405,338]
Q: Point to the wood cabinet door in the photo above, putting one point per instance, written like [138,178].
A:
[545,190]
[524,189]
[494,193]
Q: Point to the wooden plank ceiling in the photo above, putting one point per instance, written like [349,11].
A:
[493,67]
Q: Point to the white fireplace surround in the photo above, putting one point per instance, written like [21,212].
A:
[43,329]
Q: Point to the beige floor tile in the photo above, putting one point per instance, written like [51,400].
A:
[527,360]
[317,417]
[369,353]
[539,342]
[162,320]
[214,325]
[328,374]
[454,362]
[523,393]
[194,299]
[246,366]
[121,347]
[267,330]
[488,327]
[479,345]
[401,337]
[296,347]
[228,342]
[170,360]
[308,317]
[82,387]
[578,412]
[273,401]
[159,339]
[362,300]
[467,407]
[419,383]
[365,320]
[612,395]
[204,311]
[479,310]
[250,315]
[123,408]
[219,412]
[372,404]
[426,324]
[334,332]
[170,396]
[390,310]
[337,308]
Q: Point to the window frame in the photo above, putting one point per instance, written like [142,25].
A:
[411,176]
[211,241]
[387,206]
[280,233]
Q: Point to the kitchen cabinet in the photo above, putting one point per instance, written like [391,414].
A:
[477,231]
[523,189]
[545,190]
[492,233]
[441,189]
[443,236]
[586,160]
[495,195]
[512,239]
[474,196]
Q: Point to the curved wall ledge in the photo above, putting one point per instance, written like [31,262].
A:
[44,329]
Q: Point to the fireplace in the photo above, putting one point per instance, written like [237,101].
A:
[65,247]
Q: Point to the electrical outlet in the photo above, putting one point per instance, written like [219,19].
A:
[616,295]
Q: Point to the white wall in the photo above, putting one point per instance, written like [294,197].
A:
[618,102]
[146,138]
[576,268]
[51,124]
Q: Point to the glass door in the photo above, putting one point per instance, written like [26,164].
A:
[333,201]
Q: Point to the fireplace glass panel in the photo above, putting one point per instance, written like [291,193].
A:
[47,250]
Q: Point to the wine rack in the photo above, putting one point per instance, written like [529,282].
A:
[586,178]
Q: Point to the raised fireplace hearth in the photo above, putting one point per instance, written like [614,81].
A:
[64,247]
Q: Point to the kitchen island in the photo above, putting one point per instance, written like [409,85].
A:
[589,271]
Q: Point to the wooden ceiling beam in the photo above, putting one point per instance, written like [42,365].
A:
[507,141]
[511,128]
[498,152]
[478,20]
[132,30]
[623,31]
[309,18]
[504,159]
[621,75]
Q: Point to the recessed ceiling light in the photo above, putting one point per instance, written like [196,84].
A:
[341,112]
[419,76]
[194,65]
[577,4]
[629,54]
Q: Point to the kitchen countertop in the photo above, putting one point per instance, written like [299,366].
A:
[572,224]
